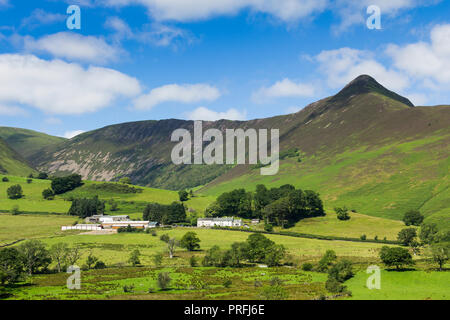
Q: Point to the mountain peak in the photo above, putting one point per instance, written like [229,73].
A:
[366,84]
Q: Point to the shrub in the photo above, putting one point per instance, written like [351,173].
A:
[193,262]
[334,286]
[164,280]
[307,266]
[15,192]
[342,213]
[227,283]
[29,180]
[134,258]
[15,210]
[5,179]
[99,265]
[48,194]
[268,227]
[363,237]
[413,217]
[42,176]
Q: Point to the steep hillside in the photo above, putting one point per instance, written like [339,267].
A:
[27,142]
[366,147]
[12,163]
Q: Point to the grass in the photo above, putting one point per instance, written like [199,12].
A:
[404,285]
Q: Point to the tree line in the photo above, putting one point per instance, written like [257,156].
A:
[283,206]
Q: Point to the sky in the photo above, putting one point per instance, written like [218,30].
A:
[134,60]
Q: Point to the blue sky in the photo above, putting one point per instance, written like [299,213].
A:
[238,59]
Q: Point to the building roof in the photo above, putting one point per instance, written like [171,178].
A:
[219,219]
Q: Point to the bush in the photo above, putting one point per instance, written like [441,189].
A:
[193,262]
[134,258]
[268,227]
[164,280]
[227,283]
[334,286]
[42,176]
[15,192]
[307,266]
[15,210]
[48,194]
[29,180]
[99,265]
[413,217]
[5,179]
[342,213]
[363,237]
[62,185]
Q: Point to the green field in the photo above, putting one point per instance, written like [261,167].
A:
[405,285]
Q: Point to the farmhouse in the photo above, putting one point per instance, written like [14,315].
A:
[219,222]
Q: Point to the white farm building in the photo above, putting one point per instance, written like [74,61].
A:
[219,222]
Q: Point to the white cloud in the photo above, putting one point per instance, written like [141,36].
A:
[58,87]
[182,10]
[342,65]
[42,17]
[8,110]
[185,93]
[426,61]
[285,88]
[71,134]
[73,46]
[156,33]
[206,114]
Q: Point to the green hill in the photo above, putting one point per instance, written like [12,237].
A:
[366,147]
[27,142]
[12,163]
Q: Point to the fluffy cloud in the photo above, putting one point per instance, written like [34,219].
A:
[344,64]
[71,134]
[206,114]
[42,17]
[283,89]
[181,10]
[73,46]
[185,93]
[427,61]
[58,87]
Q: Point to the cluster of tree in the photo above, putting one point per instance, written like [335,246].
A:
[15,192]
[87,207]
[33,257]
[257,249]
[62,185]
[129,229]
[281,206]
[184,195]
[165,214]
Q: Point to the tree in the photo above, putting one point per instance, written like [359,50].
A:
[11,266]
[342,213]
[35,256]
[440,253]
[134,258]
[327,260]
[334,286]
[157,259]
[125,180]
[407,236]
[48,194]
[42,176]
[62,185]
[87,207]
[275,255]
[15,192]
[413,217]
[190,241]
[172,243]
[164,280]
[91,261]
[183,195]
[341,271]
[5,179]
[257,247]
[165,214]
[428,233]
[395,256]
[73,255]
[213,257]
[58,252]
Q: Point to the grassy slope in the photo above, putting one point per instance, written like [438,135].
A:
[405,285]
[12,162]
[27,142]
[132,203]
